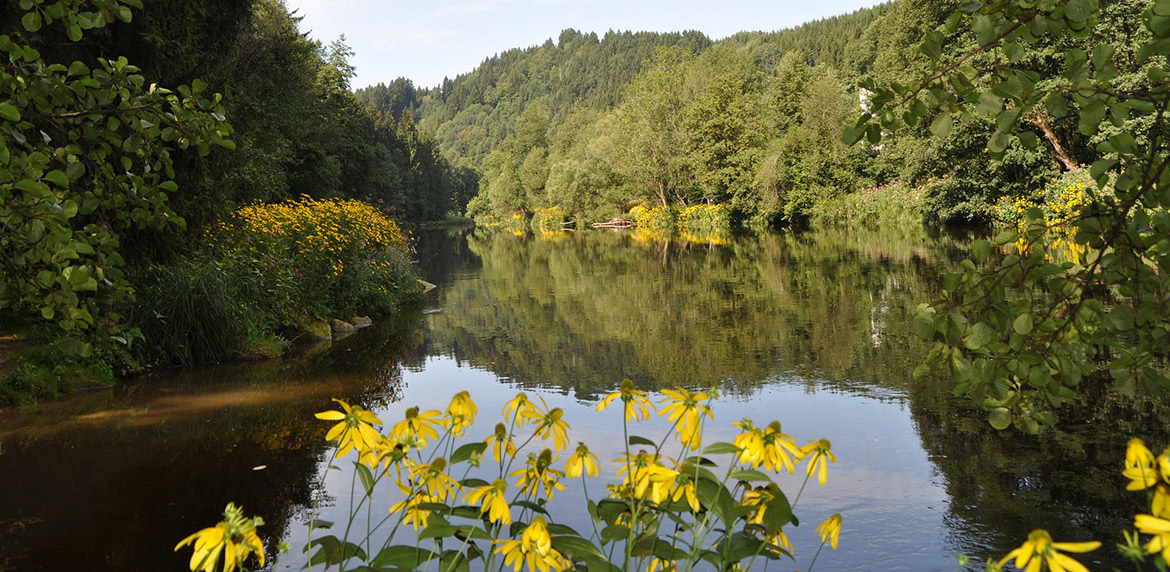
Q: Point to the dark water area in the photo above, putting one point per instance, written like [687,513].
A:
[811,329]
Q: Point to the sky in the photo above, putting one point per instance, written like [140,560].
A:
[427,40]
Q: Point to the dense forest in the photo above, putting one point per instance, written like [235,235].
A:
[597,125]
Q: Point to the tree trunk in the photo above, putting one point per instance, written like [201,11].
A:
[1041,121]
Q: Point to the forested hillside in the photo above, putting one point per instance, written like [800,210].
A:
[599,125]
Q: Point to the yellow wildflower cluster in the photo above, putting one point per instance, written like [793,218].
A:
[1057,209]
[549,220]
[659,218]
[322,256]
[654,489]
[703,224]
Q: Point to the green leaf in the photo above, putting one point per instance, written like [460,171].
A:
[9,112]
[366,477]
[980,250]
[402,557]
[1022,324]
[31,21]
[466,451]
[579,549]
[750,475]
[720,449]
[58,178]
[921,371]
[636,440]
[942,125]
[1000,418]
[1121,318]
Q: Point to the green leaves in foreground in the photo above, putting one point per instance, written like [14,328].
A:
[84,154]
[1018,326]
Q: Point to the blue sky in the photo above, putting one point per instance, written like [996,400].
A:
[425,40]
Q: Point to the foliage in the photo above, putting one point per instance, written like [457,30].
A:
[666,511]
[327,258]
[192,312]
[549,219]
[1021,355]
[86,155]
[895,204]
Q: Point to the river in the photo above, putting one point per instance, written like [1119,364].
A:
[811,329]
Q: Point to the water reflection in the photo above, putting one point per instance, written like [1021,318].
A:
[112,479]
[808,328]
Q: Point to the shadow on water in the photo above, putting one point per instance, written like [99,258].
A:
[112,479]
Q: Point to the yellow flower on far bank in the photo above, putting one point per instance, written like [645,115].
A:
[354,429]
[232,540]
[581,462]
[1039,548]
[637,403]
[534,549]
[830,530]
[493,501]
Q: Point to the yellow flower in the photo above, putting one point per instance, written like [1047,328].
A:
[686,409]
[768,447]
[821,457]
[1039,548]
[533,549]
[233,540]
[501,442]
[646,477]
[551,424]
[539,472]
[418,425]
[433,479]
[492,501]
[413,514]
[1139,466]
[460,413]
[637,403]
[830,530]
[353,430]
[1160,528]
[520,408]
[581,462]
[684,487]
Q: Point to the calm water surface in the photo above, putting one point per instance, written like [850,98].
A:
[809,329]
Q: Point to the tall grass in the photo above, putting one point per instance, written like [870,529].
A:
[191,312]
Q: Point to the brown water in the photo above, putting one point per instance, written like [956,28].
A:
[811,329]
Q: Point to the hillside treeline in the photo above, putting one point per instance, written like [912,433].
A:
[597,125]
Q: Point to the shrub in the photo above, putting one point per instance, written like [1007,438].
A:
[328,258]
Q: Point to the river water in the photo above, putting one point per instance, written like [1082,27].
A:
[811,329]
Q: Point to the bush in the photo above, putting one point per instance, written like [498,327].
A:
[328,258]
